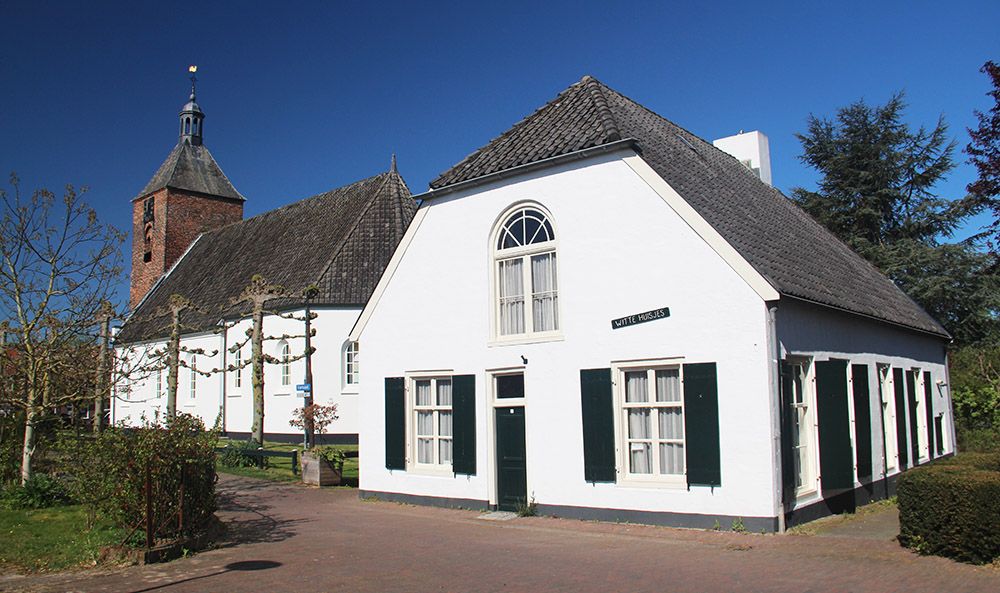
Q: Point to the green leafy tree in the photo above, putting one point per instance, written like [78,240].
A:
[876,192]
[984,153]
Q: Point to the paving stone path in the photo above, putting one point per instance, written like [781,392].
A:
[291,538]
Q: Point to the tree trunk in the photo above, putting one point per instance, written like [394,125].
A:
[100,389]
[257,356]
[30,419]
[173,362]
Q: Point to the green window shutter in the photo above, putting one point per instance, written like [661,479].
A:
[900,393]
[862,420]
[928,396]
[701,424]
[836,458]
[395,423]
[463,417]
[787,458]
[911,392]
[597,403]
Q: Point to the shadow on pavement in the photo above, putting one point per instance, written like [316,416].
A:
[246,565]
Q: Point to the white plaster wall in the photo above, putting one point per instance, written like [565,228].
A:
[332,328]
[821,334]
[752,146]
[621,250]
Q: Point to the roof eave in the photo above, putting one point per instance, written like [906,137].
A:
[623,144]
[941,336]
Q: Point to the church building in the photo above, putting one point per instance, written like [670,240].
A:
[603,316]
[190,239]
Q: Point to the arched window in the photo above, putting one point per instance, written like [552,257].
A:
[352,369]
[238,364]
[525,274]
[193,385]
[187,125]
[286,365]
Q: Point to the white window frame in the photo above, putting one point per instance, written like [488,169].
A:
[525,253]
[923,446]
[193,377]
[350,362]
[888,394]
[284,353]
[159,382]
[238,372]
[810,478]
[412,463]
[625,477]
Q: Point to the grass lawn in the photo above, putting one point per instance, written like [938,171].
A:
[280,468]
[36,540]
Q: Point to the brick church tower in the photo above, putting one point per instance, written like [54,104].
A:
[188,195]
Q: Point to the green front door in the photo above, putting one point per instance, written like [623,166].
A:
[512,486]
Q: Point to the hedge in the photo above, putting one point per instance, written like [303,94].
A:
[951,508]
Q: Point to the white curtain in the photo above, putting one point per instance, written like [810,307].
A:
[671,458]
[545,312]
[636,387]
[424,393]
[671,424]
[444,430]
[444,393]
[639,453]
[511,297]
[668,386]
[425,427]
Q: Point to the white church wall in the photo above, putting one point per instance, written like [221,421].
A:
[332,327]
[621,250]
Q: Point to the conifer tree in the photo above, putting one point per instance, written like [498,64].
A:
[984,153]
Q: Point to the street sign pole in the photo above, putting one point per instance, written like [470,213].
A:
[310,434]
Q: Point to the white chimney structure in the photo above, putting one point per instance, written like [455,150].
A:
[751,149]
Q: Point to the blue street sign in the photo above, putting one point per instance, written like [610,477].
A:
[307,387]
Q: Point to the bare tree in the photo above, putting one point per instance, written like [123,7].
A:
[58,268]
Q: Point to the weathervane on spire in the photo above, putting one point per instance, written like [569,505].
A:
[194,79]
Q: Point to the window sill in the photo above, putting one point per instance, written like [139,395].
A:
[234,395]
[433,471]
[677,483]
[353,390]
[282,394]
[805,493]
[526,339]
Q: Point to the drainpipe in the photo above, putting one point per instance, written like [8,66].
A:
[774,380]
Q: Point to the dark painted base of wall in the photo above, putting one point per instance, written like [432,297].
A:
[295,438]
[843,502]
[431,501]
[688,520]
[666,519]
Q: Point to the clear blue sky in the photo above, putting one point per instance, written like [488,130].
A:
[301,98]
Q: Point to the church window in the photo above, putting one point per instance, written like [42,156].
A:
[351,361]
[193,374]
[525,282]
[238,373]
[286,370]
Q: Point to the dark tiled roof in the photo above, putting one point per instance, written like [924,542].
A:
[340,241]
[797,255]
[192,168]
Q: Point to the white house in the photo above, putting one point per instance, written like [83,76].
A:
[605,315]
[189,239]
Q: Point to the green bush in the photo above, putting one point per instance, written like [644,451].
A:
[40,492]
[335,456]
[951,508]
[110,471]
[978,439]
[235,454]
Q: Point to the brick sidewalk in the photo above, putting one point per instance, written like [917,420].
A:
[296,539]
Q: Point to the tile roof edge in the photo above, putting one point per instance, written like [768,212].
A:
[607,147]
[942,336]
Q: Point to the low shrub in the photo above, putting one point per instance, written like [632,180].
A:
[110,471]
[335,456]
[40,492]
[978,439]
[951,508]
[237,454]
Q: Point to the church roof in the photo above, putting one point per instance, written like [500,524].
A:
[191,167]
[797,255]
[340,241]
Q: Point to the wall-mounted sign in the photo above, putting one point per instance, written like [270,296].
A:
[640,318]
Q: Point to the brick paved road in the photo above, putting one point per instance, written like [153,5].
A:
[290,538]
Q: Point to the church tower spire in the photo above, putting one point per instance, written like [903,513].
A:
[192,117]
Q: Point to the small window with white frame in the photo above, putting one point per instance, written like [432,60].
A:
[352,370]
[651,423]
[286,365]
[803,422]
[431,419]
[193,373]
[159,382]
[888,401]
[238,366]
[526,293]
